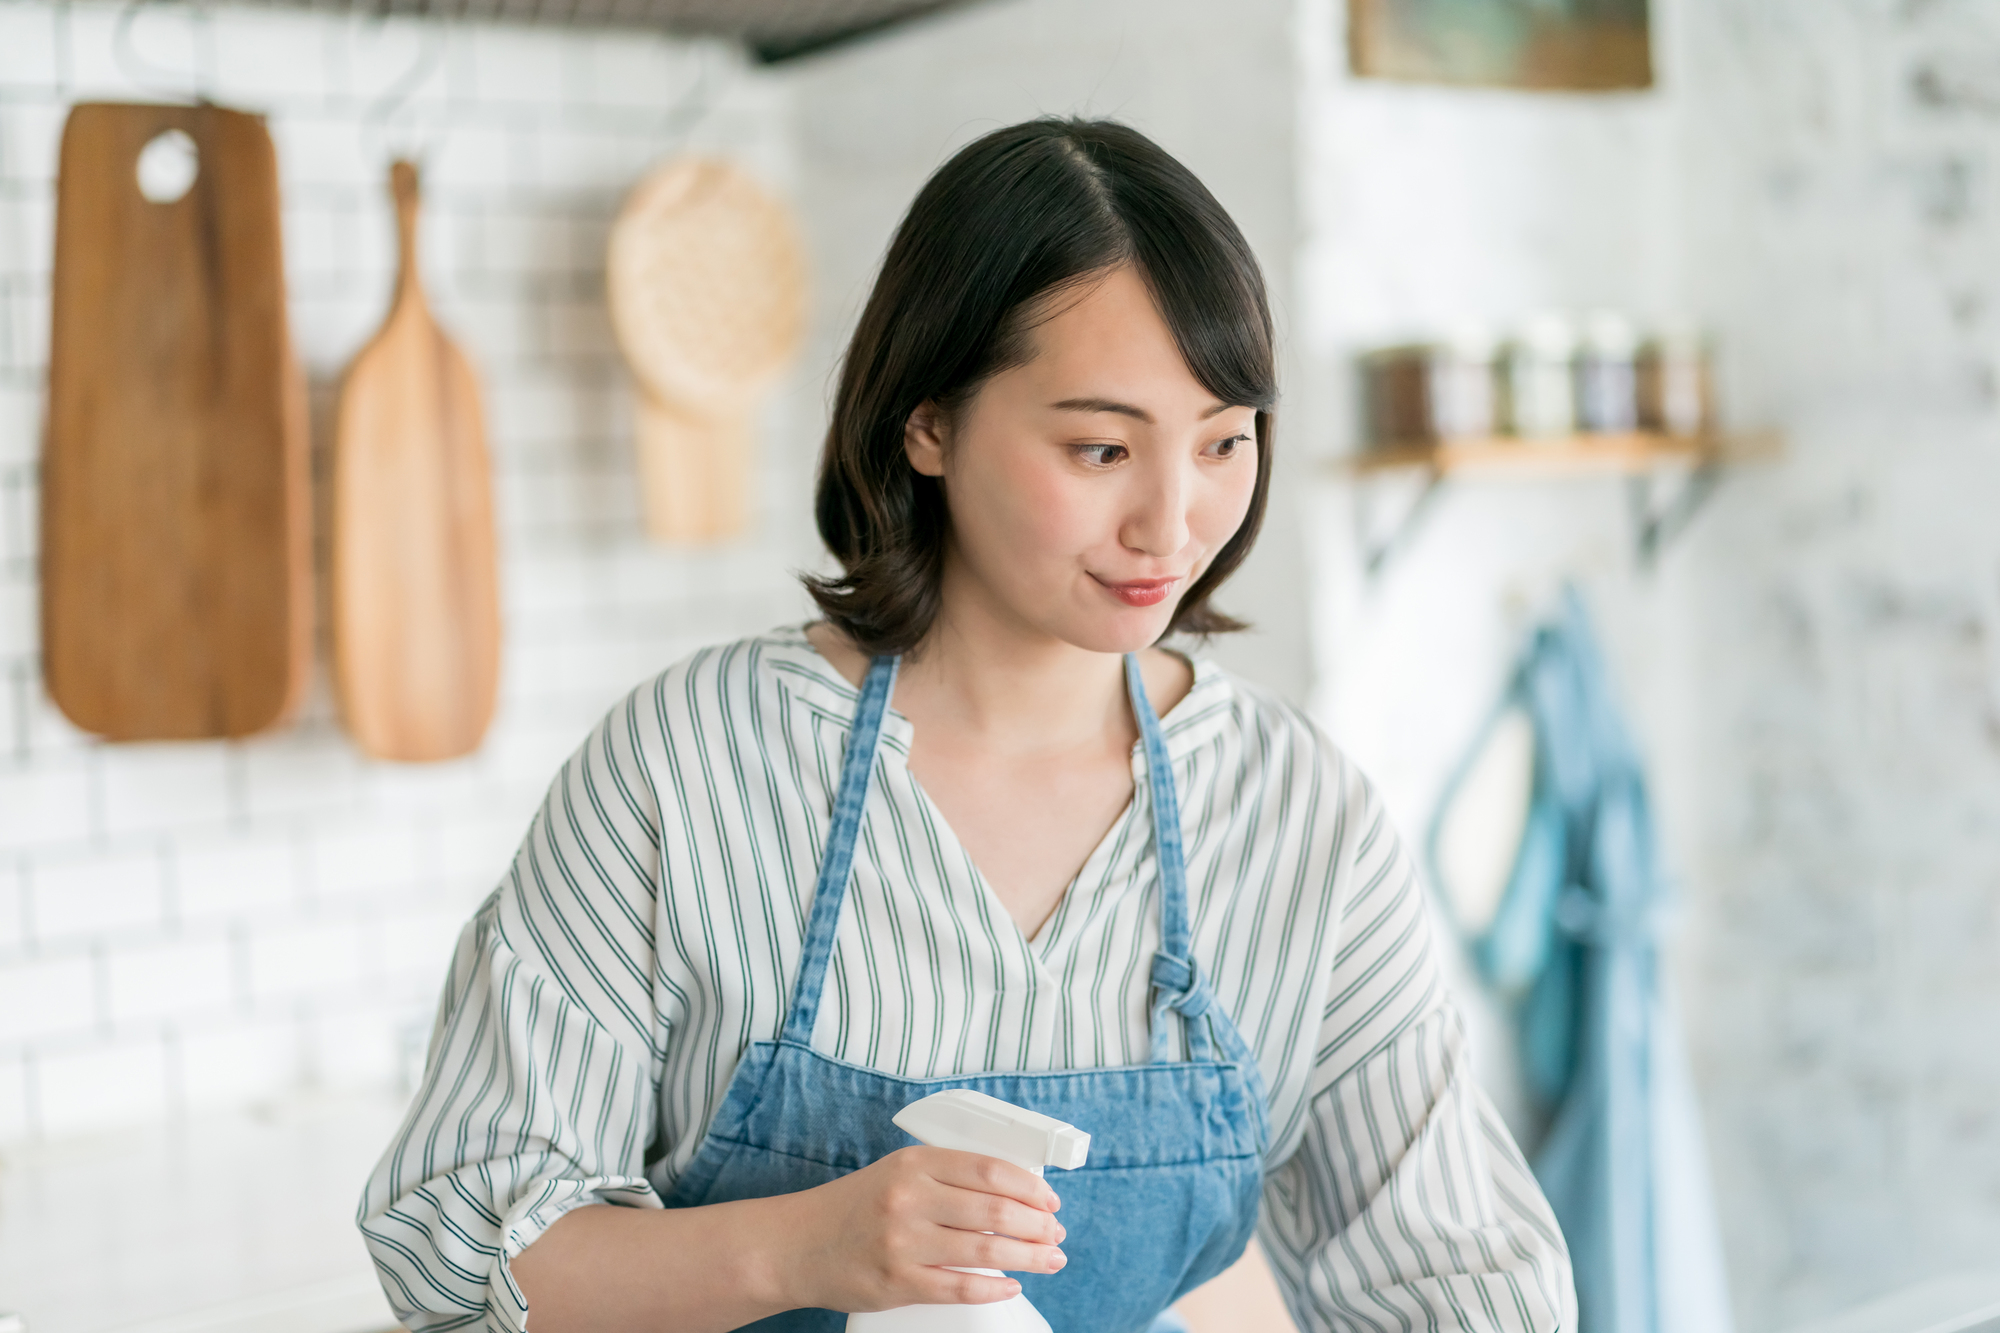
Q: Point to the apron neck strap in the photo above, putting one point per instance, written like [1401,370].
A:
[1178,983]
[1166,816]
[857,770]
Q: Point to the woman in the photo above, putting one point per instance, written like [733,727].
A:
[972,829]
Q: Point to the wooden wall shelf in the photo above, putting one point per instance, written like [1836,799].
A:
[1635,455]
[1631,451]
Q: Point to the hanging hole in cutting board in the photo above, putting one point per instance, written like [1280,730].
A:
[168,165]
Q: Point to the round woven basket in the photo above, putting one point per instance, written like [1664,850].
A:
[707,281]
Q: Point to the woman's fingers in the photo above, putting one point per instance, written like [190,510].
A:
[969,1210]
[987,1175]
[951,1248]
[895,1232]
[945,1286]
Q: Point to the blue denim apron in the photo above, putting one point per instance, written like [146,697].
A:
[1169,1196]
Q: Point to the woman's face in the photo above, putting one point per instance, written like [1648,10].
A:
[1091,486]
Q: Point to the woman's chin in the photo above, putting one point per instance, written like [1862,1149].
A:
[1119,629]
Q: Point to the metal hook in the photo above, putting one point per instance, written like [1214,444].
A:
[142,71]
[693,105]
[375,119]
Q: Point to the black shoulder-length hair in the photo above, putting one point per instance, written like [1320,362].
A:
[1010,221]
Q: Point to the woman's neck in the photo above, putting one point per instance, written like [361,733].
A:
[1008,692]
[996,683]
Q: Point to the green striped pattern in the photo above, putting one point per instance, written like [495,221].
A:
[652,922]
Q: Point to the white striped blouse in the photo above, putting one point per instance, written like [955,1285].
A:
[651,924]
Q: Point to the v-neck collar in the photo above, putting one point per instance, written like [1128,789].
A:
[1193,720]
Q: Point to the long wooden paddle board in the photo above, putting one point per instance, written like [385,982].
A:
[176,560]
[416,602]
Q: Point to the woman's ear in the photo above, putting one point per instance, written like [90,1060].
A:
[923,440]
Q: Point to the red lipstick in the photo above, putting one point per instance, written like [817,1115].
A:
[1140,592]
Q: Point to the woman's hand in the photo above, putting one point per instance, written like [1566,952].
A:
[892,1233]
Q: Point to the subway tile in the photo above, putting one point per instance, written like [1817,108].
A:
[377,55]
[319,954]
[328,330]
[479,845]
[534,408]
[418,945]
[371,250]
[20,424]
[97,74]
[30,135]
[170,979]
[517,244]
[317,150]
[20,515]
[267,59]
[648,75]
[242,875]
[314,241]
[27,312]
[498,333]
[17,1117]
[300,772]
[20,617]
[380,856]
[164,785]
[45,805]
[94,894]
[538,745]
[602,164]
[360,1047]
[28,48]
[229,1064]
[49,734]
[13,905]
[421,790]
[472,157]
[513,64]
[42,998]
[101,1087]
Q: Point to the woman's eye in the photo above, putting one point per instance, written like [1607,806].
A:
[1227,448]
[1100,455]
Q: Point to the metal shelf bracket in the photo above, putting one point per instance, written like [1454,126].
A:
[1380,543]
[1655,525]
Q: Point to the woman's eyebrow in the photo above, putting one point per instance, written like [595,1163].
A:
[1122,409]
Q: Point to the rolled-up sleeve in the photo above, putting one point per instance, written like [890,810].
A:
[539,1088]
[1405,1203]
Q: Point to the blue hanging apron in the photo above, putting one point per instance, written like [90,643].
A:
[1169,1196]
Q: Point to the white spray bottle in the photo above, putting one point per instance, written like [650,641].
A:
[973,1122]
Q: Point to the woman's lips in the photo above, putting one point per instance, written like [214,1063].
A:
[1140,592]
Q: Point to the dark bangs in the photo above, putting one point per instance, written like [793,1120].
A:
[1010,221]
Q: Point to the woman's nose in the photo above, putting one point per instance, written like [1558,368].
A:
[1158,523]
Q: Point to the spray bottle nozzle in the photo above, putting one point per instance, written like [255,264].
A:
[971,1121]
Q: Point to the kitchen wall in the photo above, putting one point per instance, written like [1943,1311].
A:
[1424,210]
[1812,667]
[194,925]
[1839,169]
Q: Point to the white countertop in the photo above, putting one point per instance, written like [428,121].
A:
[235,1223]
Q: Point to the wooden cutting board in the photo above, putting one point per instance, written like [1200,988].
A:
[706,276]
[416,593]
[176,560]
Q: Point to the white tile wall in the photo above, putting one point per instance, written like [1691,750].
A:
[187,926]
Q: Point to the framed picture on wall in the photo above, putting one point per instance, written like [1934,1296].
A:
[1587,45]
